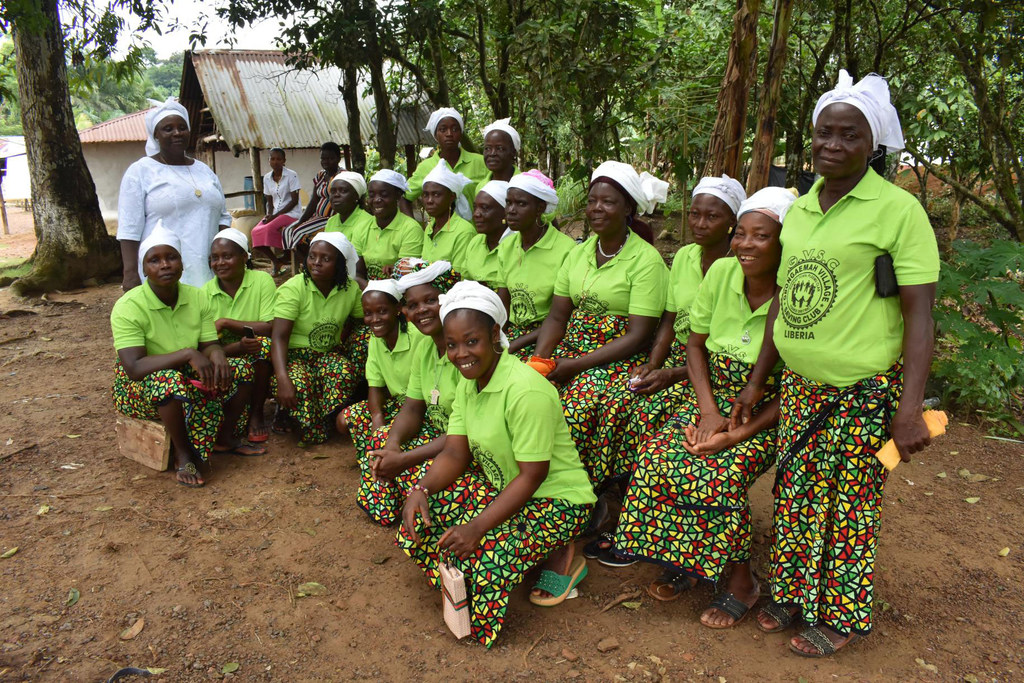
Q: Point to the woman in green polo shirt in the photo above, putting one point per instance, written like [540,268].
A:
[608,297]
[449,230]
[489,220]
[396,235]
[243,308]
[315,310]
[170,366]
[686,505]
[508,490]
[446,126]
[396,453]
[502,143]
[853,324]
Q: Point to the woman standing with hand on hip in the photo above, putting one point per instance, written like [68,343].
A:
[853,324]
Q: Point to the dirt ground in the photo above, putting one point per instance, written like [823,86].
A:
[213,573]
[22,240]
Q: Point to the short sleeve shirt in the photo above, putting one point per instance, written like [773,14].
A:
[253,302]
[683,280]
[469,164]
[518,418]
[832,326]
[381,247]
[481,263]
[318,320]
[430,372]
[139,318]
[281,192]
[356,227]
[450,243]
[389,368]
[529,276]
[633,282]
[721,311]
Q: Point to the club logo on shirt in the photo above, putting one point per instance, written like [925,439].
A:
[488,464]
[324,335]
[682,325]
[809,292]
[522,305]
[591,304]
[437,417]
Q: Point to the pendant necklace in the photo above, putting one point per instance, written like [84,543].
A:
[191,179]
[746,337]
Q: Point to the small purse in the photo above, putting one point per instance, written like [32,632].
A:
[456,603]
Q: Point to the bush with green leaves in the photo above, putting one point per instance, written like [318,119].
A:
[979,351]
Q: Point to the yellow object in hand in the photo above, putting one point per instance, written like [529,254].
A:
[936,420]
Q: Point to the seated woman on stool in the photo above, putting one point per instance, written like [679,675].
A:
[508,490]
[170,366]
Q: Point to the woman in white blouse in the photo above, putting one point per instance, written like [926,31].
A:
[170,188]
[281,190]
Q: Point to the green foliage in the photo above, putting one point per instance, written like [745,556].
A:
[979,359]
[572,198]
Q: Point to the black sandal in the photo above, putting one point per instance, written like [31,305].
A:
[676,581]
[780,614]
[599,546]
[821,642]
[728,604]
[190,468]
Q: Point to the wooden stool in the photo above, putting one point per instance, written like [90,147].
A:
[144,441]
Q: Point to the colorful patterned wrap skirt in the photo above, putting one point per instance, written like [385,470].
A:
[690,512]
[583,396]
[360,423]
[514,331]
[261,356]
[505,553]
[828,498]
[355,347]
[324,383]
[629,419]
[203,414]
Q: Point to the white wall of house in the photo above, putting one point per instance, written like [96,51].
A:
[107,162]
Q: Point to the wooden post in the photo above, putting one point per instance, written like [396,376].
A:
[410,160]
[3,209]
[257,179]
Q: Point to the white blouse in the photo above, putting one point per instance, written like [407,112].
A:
[281,192]
[188,199]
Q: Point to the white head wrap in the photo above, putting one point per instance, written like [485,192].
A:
[497,190]
[470,294]
[233,235]
[341,243]
[871,96]
[155,116]
[442,174]
[388,286]
[393,178]
[725,188]
[424,276]
[160,236]
[771,201]
[645,189]
[538,185]
[356,180]
[443,113]
[503,126]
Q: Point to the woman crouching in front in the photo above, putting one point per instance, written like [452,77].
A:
[533,498]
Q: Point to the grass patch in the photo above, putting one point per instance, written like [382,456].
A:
[13,268]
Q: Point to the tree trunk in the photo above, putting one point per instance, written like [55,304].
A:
[72,241]
[350,94]
[725,148]
[764,143]
[387,139]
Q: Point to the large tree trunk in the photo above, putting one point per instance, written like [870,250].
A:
[764,142]
[725,149]
[350,94]
[387,140]
[72,241]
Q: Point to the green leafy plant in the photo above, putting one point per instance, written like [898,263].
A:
[979,352]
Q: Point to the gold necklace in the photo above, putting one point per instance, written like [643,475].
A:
[191,179]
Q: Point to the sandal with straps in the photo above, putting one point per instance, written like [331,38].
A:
[820,641]
[782,616]
[727,603]
[559,585]
[670,585]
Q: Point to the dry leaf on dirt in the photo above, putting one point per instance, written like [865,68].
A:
[230,668]
[1004,552]
[972,500]
[134,630]
[9,553]
[73,596]
[311,588]
[104,508]
[43,509]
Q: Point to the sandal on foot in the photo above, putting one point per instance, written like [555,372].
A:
[820,641]
[599,545]
[242,448]
[559,585]
[728,604]
[779,614]
[190,468]
[615,559]
[253,437]
[282,423]
[669,586]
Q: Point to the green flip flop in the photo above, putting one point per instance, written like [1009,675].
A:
[559,585]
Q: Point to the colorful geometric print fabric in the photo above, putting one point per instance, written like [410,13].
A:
[514,331]
[690,512]
[506,553]
[828,498]
[324,383]
[383,500]
[355,347]
[360,424]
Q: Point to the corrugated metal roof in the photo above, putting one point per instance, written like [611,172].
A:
[127,128]
[257,100]
[12,146]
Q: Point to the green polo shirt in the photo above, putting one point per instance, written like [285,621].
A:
[832,326]
[390,367]
[253,302]
[489,176]
[632,283]
[450,244]
[318,320]
[469,164]
[518,418]
[381,247]
[139,318]
[428,372]
[355,228]
[721,310]
[529,276]
[481,263]
[683,280]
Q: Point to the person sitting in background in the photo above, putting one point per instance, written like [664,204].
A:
[281,193]
[501,145]
[170,366]
[489,220]
[449,230]
[243,308]
[318,210]
[446,126]
[396,235]
[508,490]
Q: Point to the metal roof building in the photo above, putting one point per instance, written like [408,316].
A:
[127,128]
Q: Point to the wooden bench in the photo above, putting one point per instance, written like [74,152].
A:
[144,441]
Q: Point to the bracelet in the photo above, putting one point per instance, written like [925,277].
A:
[418,487]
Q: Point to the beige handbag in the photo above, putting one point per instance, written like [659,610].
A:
[456,603]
